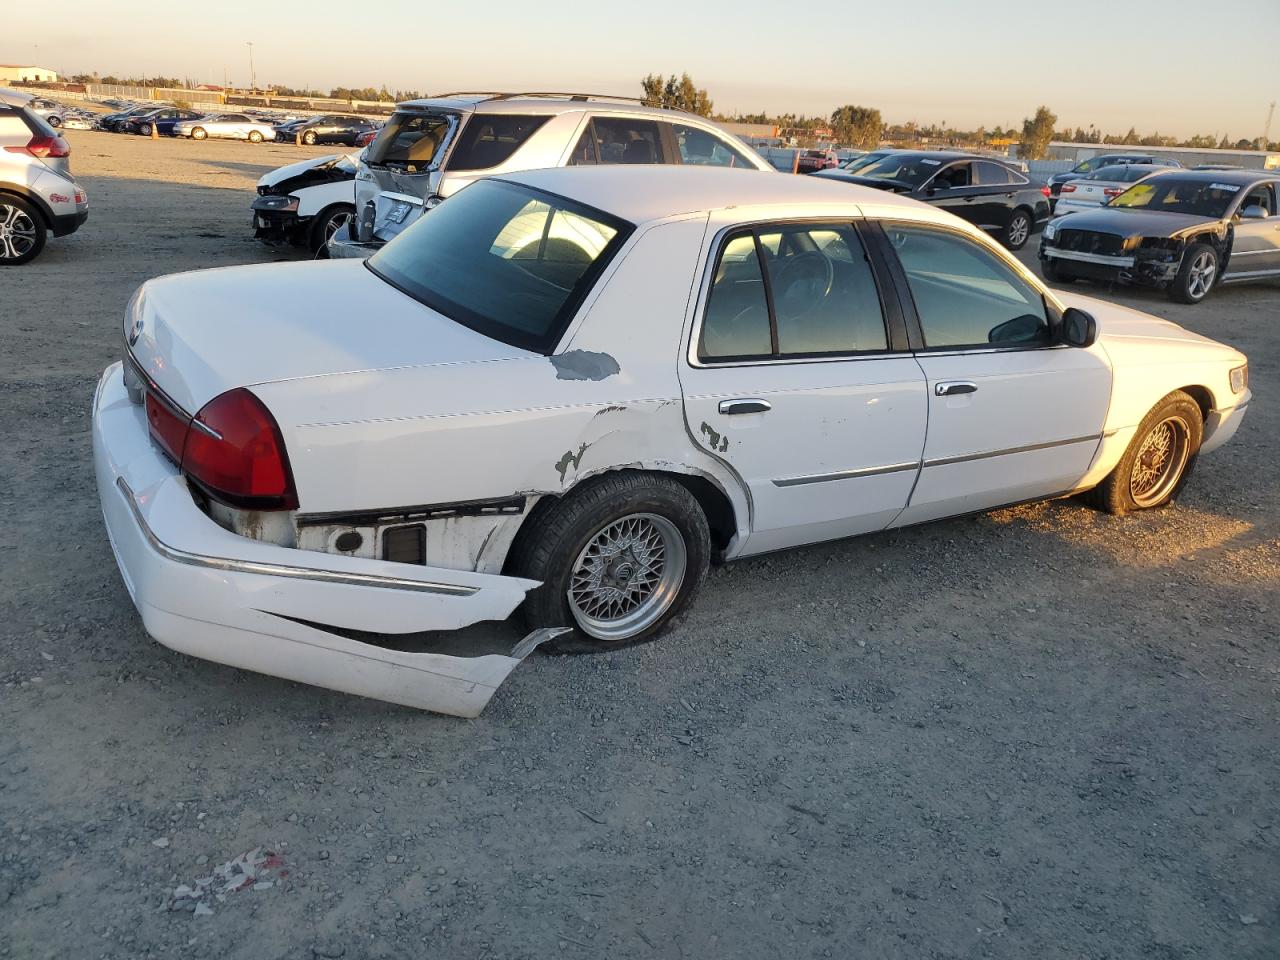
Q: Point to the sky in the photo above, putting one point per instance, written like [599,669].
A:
[1182,67]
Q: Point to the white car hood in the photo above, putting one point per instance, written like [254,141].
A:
[293,169]
[206,332]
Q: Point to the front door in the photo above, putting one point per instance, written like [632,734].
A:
[1255,246]
[800,380]
[1013,415]
[954,190]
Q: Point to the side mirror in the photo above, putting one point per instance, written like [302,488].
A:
[1253,212]
[1078,328]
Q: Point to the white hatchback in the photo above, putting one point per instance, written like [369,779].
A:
[573,389]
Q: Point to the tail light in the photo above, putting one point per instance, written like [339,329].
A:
[234,451]
[1113,191]
[1045,191]
[1068,188]
[44,147]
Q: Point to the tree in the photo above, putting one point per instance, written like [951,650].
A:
[1037,131]
[676,93]
[859,127]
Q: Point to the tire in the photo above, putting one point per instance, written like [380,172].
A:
[255,136]
[199,133]
[145,130]
[1130,486]
[1054,273]
[1197,274]
[309,138]
[570,536]
[54,121]
[22,231]
[325,224]
[1017,231]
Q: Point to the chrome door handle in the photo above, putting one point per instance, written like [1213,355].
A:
[952,388]
[744,405]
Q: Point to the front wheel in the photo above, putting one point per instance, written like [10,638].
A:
[199,133]
[1196,275]
[619,559]
[255,136]
[22,231]
[330,221]
[1018,230]
[1158,460]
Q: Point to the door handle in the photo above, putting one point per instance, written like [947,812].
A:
[952,388]
[745,405]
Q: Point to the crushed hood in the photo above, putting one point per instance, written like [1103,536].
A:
[1133,223]
[291,170]
[206,332]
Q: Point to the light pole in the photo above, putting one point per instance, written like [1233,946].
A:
[253,77]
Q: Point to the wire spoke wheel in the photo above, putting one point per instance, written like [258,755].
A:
[1160,461]
[627,576]
[18,234]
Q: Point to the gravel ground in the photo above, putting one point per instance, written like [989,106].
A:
[1041,732]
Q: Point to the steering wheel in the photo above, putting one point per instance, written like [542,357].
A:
[803,283]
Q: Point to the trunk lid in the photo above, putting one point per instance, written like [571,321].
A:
[200,334]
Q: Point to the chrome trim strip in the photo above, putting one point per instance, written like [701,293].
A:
[847,474]
[282,570]
[1089,257]
[1248,274]
[943,461]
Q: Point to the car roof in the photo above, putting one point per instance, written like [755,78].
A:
[545,104]
[14,98]
[649,192]
[1243,178]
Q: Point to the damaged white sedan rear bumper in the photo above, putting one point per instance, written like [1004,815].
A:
[207,592]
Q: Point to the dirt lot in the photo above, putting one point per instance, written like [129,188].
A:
[1042,732]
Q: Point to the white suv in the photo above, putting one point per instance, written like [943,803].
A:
[431,149]
[38,195]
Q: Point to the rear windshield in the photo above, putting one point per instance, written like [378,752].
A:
[505,260]
[1122,173]
[1172,194]
[490,139]
[411,141]
[38,124]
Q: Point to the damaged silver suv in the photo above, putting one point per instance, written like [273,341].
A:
[430,149]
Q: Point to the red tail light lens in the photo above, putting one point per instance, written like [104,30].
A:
[235,452]
[1046,191]
[1068,188]
[168,426]
[42,147]
[1113,191]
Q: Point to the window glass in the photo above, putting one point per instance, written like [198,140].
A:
[992,173]
[490,139]
[956,175]
[824,296]
[505,260]
[737,319]
[234,118]
[623,140]
[1172,193]
[1260,196]
[702,148]
[965,295]
[410,141]
[585,151]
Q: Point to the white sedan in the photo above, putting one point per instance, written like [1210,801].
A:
[571,390]
[1100,186]
[227,126]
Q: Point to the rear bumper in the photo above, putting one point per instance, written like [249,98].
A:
[204,591]
[67,223]
[342,246]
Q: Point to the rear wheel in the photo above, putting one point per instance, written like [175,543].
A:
[309,138]
[1197,274]
[255,136]
[1159,458]
[54,120]
[1018,230]
[199,133]
[619,559]
[22,231]
[145,129]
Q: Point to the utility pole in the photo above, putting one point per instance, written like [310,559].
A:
[1266,130]
[253,77]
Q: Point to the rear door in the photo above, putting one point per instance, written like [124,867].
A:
[799,378]
[1013,415]
[999,191]
[621,139]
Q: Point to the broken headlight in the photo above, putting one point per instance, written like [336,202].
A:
[277,204]
[1165,249]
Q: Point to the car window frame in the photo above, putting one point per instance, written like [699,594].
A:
[896,330]
[902,285]
[947,165]
[677,158]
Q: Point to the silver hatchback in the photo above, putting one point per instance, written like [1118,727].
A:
[38,194]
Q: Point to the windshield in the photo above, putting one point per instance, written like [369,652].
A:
[505,260]
[1171,194]
[411,141]
[907,168]
[857,163]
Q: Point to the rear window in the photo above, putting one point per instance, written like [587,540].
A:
[411,141]
[508,261]
[490,139]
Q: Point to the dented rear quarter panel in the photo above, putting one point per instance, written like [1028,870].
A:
[609,398]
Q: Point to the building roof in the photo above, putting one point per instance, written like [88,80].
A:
[645,193]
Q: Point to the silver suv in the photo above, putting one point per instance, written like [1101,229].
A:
[430,149]
[38,195]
